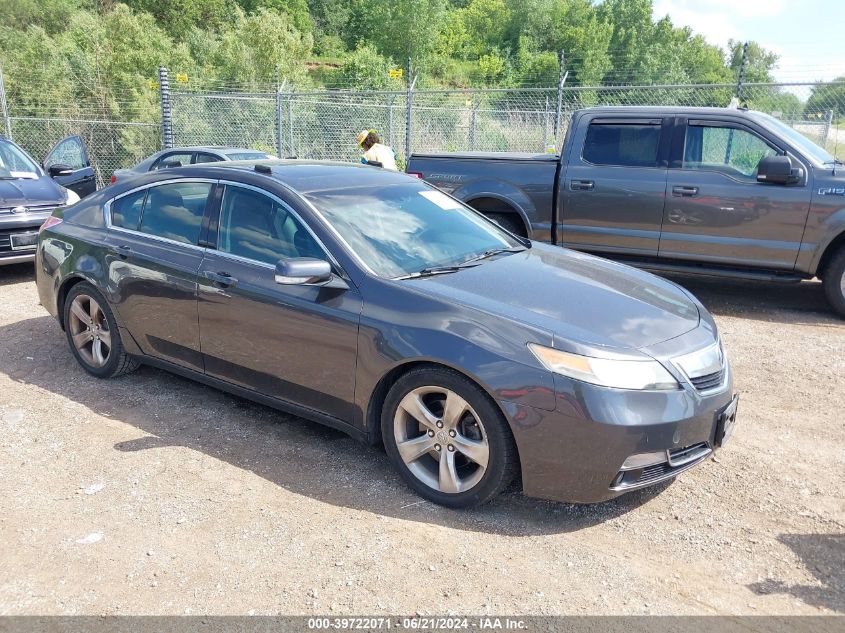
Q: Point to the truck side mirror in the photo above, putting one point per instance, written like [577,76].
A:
[778,170]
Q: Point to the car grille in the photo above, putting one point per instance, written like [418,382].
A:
[6,238]
[31,208]
[708,381]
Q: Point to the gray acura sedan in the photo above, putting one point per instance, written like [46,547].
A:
[373,303]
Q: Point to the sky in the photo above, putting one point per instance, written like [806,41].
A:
[808,35]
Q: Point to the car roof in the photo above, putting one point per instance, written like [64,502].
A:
[306,176]
[663,110]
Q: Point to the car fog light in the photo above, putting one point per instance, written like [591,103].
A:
[641,460]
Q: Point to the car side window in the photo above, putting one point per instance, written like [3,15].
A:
[70,151]
[257,227]
[169,160]
[732,150]
[126,211]
[622,144]
[174,211]
[206,158]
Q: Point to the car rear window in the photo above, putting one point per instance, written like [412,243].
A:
[622,144]
[175,211]
[126,211]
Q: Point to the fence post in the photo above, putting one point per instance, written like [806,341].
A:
[166,112]
[741,76]
[7,119]
[473,105]
[828,122]
[290,124]
[409,113]
[390,102]
[546,125]
[278,139]
[560,81]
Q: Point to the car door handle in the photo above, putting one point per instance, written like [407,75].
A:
[122,251]
[581,185]
[684,191]
[221,279]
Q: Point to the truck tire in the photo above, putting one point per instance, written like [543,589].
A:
[508,222]
[834,282]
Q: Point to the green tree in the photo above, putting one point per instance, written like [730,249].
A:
[827,96]
[366,69]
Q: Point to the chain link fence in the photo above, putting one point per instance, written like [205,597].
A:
[323,124]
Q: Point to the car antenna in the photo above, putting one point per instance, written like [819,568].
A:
[263,169]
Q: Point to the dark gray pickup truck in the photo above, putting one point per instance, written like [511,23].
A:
[714,191]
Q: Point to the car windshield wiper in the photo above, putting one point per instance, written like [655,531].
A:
[436,270]
[494,251]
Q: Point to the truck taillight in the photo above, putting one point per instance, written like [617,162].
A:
[415,174]
[51,221]
[113,179]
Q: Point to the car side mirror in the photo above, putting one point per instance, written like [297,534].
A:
[303,270]
[59,169]
[778,170]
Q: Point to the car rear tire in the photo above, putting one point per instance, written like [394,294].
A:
[508,222]
[93,335]
[834,282]
[448,440]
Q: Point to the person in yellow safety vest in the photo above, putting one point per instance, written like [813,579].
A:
[374,151]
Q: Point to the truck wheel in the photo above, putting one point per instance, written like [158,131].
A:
[509,223]
[834,282]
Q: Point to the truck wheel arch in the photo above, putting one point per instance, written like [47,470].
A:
[833,247]
[490,205]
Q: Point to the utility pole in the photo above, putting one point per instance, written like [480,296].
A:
[561,79]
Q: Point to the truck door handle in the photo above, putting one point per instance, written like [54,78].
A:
[221,279]
[581,185]
[684,191]
[122,251]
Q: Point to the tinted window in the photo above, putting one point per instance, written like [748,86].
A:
[169,160]
[175,211]
[254,226]
[247,155]
[207,158]
[626,145]
[734,151]
[69,152]
[126,211]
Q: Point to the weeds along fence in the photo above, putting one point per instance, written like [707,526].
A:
[322,124]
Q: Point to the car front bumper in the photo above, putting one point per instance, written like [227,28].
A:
[577,452]
[15,229]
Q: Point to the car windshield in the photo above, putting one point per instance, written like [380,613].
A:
[807,147]
[247,156]
[14,163]
[401,229]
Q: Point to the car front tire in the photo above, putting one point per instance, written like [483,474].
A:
[834,282]
[447,438]
[93,335]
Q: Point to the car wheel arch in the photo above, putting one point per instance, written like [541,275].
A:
[830,251]
[491,205]
[383,386]
[64,289]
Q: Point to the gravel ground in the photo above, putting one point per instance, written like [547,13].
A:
[151,494]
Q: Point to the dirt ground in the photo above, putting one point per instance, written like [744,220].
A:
[150,494]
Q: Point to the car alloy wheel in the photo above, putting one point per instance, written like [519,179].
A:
[89,330]
[441,439]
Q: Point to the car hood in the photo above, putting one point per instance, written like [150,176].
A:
[582,300]
[30,192]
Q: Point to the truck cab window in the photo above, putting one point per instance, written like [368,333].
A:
[622,144]
[731,150]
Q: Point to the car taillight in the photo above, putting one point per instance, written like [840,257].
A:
[113,179]
[415,174]
[51,221]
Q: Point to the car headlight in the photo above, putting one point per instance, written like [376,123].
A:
[605,372]
[72,197]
